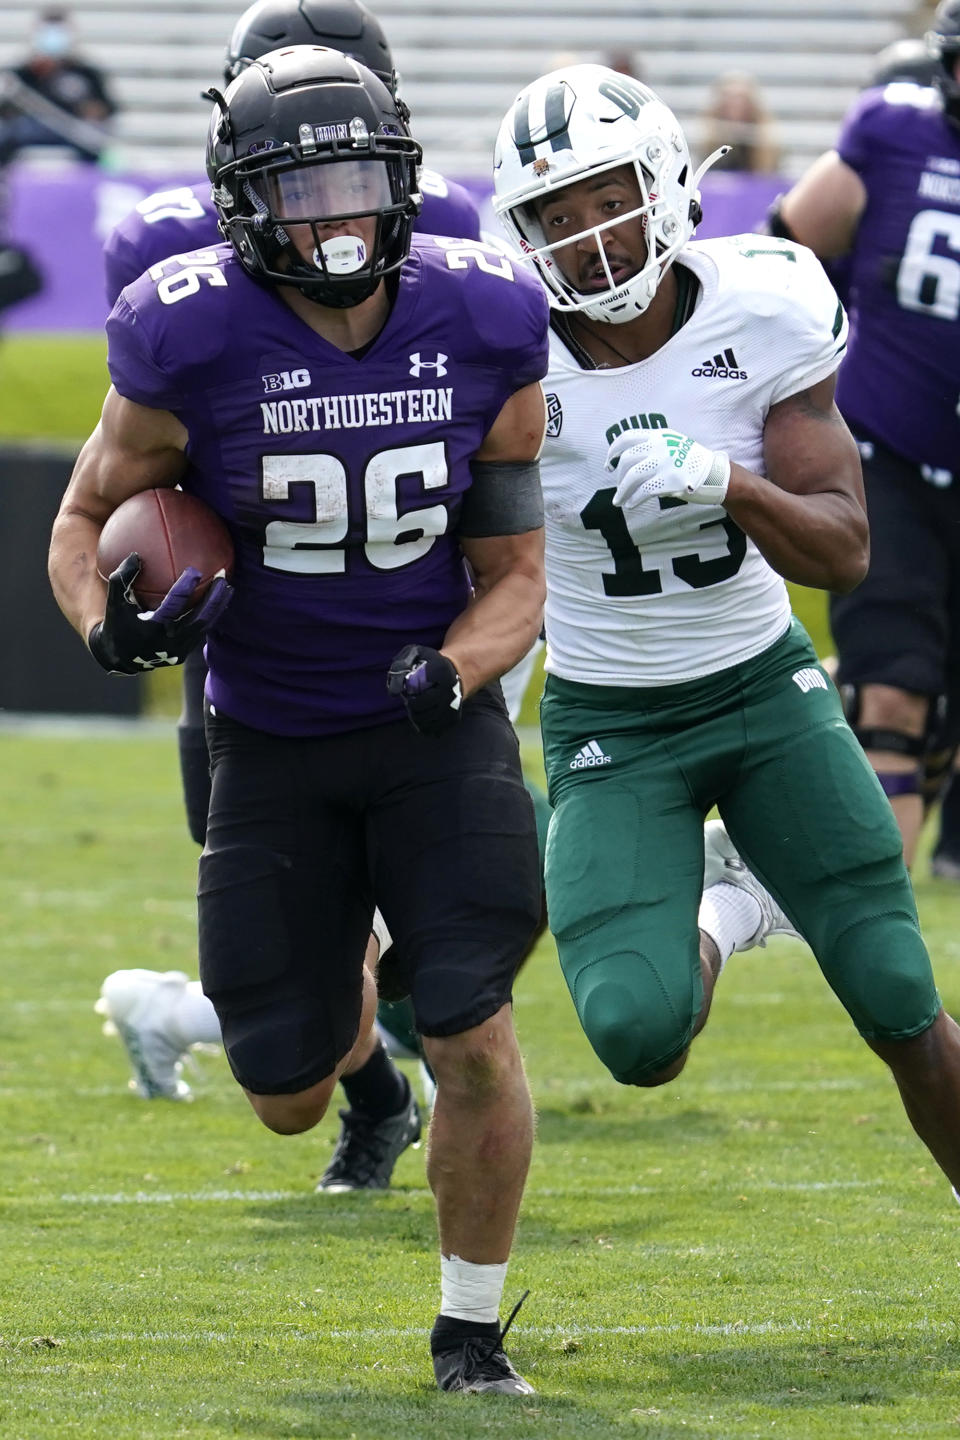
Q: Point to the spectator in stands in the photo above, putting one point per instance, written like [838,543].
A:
[737,116]
[53,97]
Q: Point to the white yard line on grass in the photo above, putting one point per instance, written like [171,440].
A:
[219,1197]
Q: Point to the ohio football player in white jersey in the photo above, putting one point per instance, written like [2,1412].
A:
[694,461]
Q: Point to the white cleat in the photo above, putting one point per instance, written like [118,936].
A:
[723,866]
[138,1006]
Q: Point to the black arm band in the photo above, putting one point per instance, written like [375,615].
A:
[504,499]
[776,225]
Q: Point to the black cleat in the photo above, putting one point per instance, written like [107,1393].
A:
[477,1365]
[368,1149]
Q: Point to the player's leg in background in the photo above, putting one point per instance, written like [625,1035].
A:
[892,633]
[945,860]
[943,763]
[160,1015]
[383,1117]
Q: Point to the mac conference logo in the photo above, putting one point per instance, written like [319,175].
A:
[554,416]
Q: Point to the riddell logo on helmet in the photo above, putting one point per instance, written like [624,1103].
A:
[721,367]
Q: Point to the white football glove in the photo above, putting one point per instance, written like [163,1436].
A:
[657,463]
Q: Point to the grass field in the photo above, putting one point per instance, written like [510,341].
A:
[760,1249]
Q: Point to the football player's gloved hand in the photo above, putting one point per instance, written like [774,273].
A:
[659,463]
[129,640]
[429,686]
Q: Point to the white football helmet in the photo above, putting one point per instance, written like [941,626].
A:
[580,121]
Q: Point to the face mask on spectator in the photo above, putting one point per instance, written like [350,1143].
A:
[52,41]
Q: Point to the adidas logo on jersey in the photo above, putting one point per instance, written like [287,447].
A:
[810,679]
[721,367]
[589,756]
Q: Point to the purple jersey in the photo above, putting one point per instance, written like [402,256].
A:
[900,381]
[172,222]
[341,477]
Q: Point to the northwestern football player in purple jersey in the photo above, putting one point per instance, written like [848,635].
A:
[888,197]
[366,415]
[159,1015]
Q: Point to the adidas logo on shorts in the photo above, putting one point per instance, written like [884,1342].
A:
[589,756]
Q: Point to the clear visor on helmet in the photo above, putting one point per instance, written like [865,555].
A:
[330,191]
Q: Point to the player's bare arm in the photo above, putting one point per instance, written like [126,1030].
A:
[506,615]
[823,209]
[808,518]
[133,448]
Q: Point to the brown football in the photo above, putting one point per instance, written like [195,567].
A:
[169,530]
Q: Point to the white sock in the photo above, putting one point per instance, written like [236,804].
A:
[471,1292]
[731,917]
[195,1018]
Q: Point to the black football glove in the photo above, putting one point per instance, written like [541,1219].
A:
[129,640]
[429,686]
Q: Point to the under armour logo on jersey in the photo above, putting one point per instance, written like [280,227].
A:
[721,367]
[440,365]
[554,416]
[810,679]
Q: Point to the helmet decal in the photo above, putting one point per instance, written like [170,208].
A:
[554,128]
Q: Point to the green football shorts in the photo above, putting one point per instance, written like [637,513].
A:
[632,775]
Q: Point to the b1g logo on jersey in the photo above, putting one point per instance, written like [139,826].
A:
[554,416]
[286,380]
[721,367]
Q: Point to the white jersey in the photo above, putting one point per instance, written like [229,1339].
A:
[686,594]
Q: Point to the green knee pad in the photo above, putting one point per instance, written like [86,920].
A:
[880,972]
[626,931]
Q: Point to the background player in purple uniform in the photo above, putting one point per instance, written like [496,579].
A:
[366,416]
[159,1015]
[888,197]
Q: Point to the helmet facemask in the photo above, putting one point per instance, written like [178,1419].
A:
[662,232]
[600,121]
[339,200]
